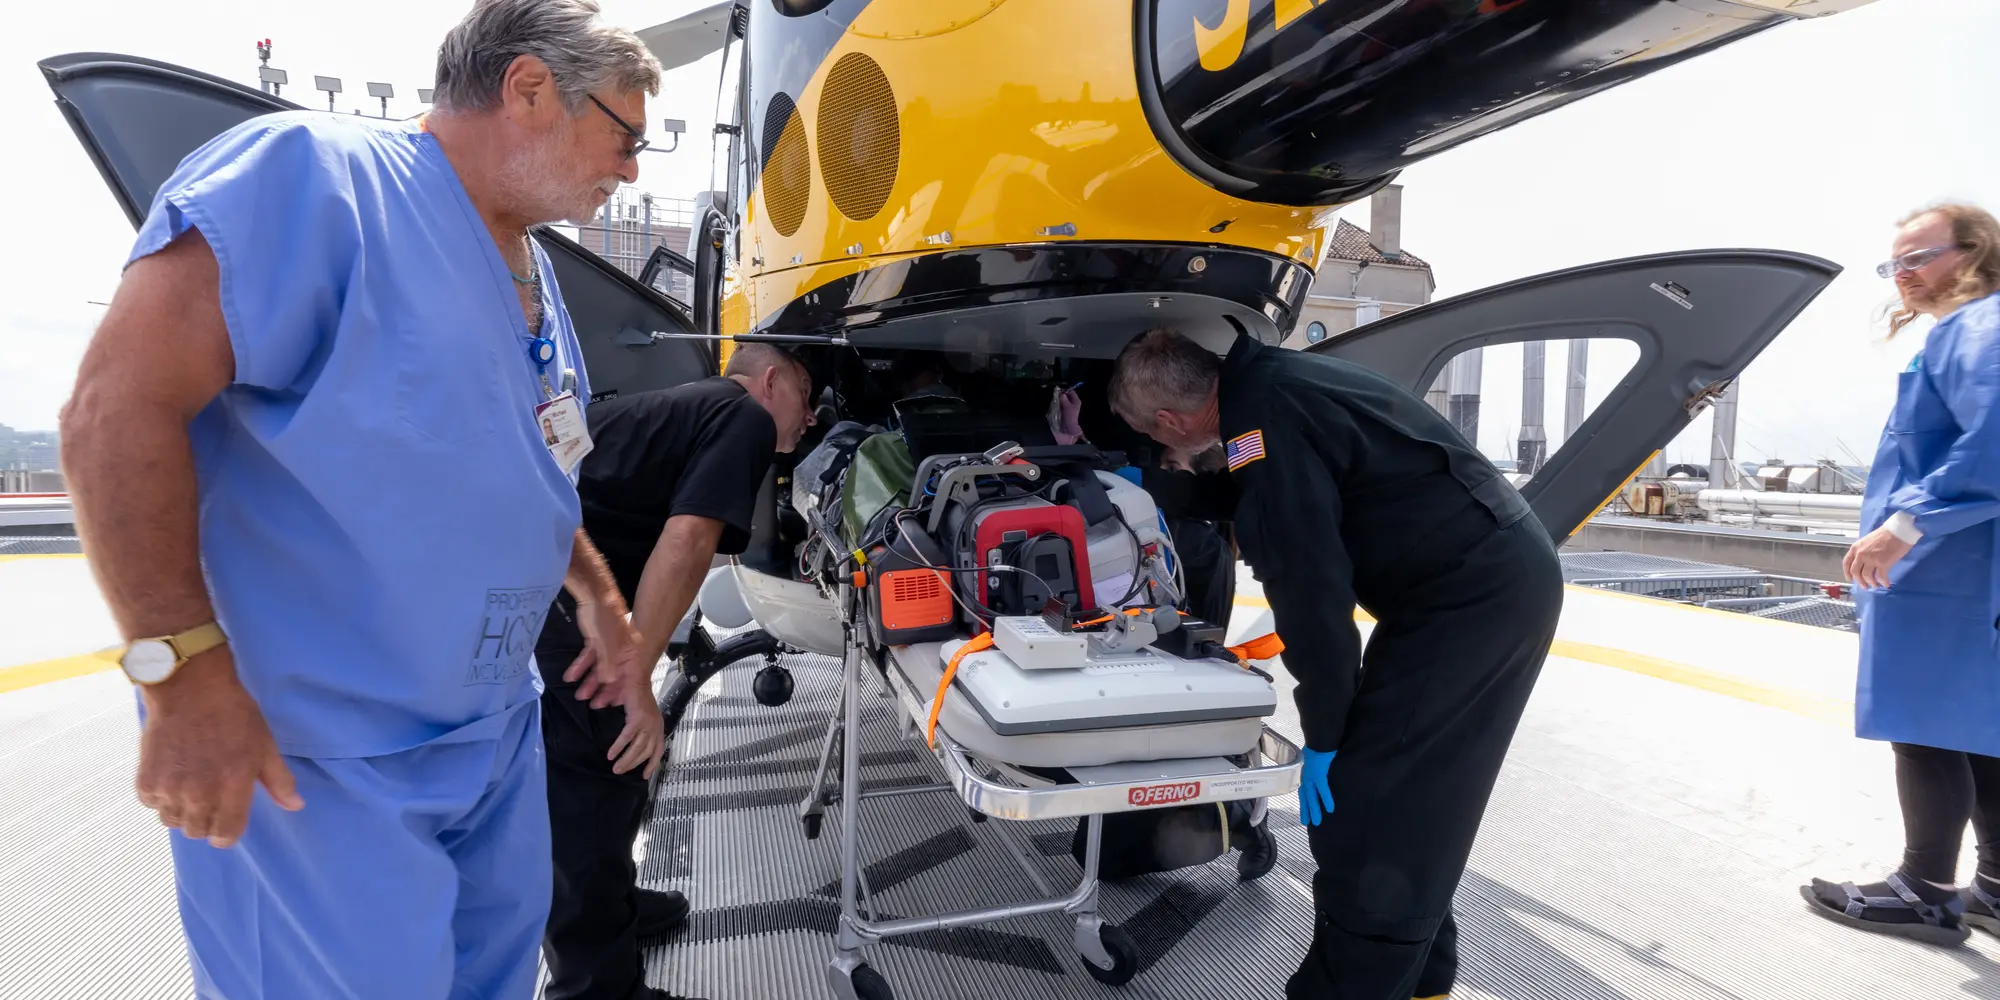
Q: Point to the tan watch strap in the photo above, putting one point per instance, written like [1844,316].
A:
[196,641]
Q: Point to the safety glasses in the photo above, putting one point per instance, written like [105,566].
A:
[639,140]
[1911,261]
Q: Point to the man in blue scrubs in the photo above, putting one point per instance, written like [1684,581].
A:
[308,462]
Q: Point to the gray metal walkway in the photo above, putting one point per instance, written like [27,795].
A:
[1646,841]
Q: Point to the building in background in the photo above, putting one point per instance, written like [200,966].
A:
[26,481]
[633,223]
[28,461]
[1365,275]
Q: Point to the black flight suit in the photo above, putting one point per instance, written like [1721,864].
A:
[704,449]
[1354,492]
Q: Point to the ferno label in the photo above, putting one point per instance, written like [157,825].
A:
[1164,795]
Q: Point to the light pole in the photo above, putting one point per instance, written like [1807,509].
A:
[330,84]
[646,227]
[673,127]
[271,81]
[383,91]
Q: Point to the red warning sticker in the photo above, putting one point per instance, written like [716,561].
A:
[1164,795]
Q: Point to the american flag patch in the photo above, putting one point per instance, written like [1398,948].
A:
[1244,449]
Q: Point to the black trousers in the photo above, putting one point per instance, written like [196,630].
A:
[1940,790]
[1445,678]
[591,942]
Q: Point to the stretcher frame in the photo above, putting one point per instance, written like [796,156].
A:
[992,789]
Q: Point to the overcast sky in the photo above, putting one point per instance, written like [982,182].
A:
[1813,137]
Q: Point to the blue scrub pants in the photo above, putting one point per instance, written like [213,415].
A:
[421,875]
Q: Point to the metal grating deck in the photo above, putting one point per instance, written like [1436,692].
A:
[1817,611]
[18,545]
[1645,842]
[1588,565]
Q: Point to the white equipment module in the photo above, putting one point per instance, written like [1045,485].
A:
[1033,645]
[1146,687]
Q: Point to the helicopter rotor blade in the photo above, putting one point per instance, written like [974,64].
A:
[690,37]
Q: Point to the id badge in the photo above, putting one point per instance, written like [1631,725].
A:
[561,422]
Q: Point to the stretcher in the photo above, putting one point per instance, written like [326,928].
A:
[975,599]
[1081,771]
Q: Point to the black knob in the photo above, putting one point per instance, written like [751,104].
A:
[772,686]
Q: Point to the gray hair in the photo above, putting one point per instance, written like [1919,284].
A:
[583,53]
[1162,370]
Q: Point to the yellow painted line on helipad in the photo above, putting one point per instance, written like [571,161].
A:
[29,675]
[15,556]
[1812,706]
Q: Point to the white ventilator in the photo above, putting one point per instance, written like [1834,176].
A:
[1080,689]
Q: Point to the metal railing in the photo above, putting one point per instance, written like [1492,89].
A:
[1818,611]
[1696,588]
[1760,595]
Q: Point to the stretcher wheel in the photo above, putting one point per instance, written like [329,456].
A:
[812,820]
[772,686]
[869,984]
[1124,957]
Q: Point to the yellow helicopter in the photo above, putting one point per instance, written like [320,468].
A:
[1021,185]
[996,196]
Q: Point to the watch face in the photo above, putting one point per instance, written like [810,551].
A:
[148,661]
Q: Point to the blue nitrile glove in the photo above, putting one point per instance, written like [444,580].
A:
[1315,795]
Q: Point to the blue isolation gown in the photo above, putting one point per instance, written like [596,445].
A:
[382,529]
[1930,652]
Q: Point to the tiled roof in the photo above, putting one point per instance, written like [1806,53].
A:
[1351,242]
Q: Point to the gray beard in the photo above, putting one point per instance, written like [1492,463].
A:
[536,178]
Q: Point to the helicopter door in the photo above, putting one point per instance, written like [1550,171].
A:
[138,118]
[1698,318]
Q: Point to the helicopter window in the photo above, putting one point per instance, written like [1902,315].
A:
[1315,332]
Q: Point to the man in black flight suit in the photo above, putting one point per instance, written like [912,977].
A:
[1354,492]
[671,482]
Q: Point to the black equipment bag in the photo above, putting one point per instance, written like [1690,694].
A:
[1161,840]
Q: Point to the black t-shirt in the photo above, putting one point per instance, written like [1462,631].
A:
[702,448]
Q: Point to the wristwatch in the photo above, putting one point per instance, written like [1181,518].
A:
[150,661]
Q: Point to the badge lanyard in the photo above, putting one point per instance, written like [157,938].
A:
[542,351]
[561,418]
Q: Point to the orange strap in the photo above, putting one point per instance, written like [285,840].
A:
[1263,647]
[1134,612]
[983,640]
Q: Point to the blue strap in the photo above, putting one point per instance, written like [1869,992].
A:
[1905,898]
[1992,902]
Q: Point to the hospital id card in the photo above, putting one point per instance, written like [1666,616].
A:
[563,430]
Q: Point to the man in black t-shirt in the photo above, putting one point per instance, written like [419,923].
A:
[671,483]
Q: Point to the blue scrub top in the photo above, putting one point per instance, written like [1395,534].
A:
[382,525]
[1930,669]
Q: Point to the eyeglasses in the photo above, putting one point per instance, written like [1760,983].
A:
[1911,261]
[639,140]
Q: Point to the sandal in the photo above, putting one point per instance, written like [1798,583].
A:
[1904,914]
[1982,908]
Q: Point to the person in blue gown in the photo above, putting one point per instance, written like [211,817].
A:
[309,468]
[1928,596]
